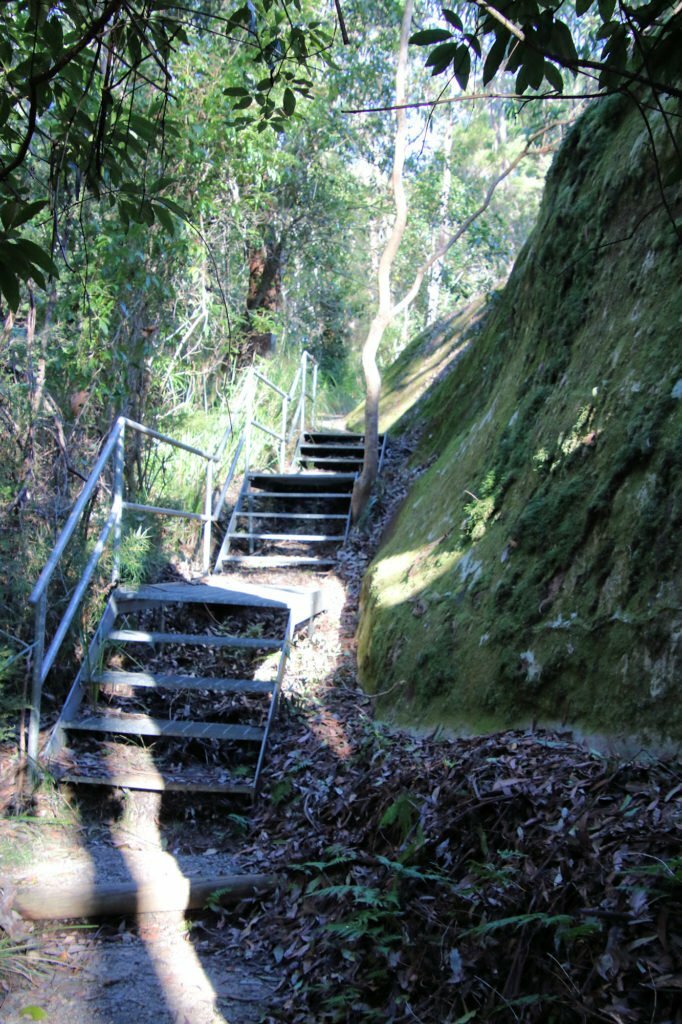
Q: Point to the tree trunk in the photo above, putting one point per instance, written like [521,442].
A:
[365,482]
[444,225]
[264,294]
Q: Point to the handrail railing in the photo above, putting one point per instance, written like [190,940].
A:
[114,449]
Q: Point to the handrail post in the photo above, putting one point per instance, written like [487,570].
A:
[208,514]
[283,442]
[37,687]
[304,385]
[249,420]
[119,462]
[313,404]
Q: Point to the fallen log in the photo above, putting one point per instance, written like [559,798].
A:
[163,895]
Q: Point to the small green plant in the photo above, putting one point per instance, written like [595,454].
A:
[281,791]
[16,962]
[240,825]
[139,555]
[664,875]
[33,1012]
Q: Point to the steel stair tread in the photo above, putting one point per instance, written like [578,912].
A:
[160,782]
[194,639]
[307,538]
[143,725]
[301,495]
[276,561]
[320,461]
[161,681]
[330,446]
[309,482]
[289,515]
[335,437]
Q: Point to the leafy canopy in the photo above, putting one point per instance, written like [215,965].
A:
[538,40]
[86,102]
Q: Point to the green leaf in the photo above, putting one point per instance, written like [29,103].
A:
[164,218]
[34,1012]
[243,103]
[562,42]
[16,213]
[536,68]
[289,102]
[522,82]
[235,90]
[494,58]
[9,287]
[161,183]
[453,19]
[462,66]
[606,9]
[615,56]
[175,208]
[519,921]
[429,36]
[582,7]
[53,35]
[441,57]
[34,254]
[553,76]
[473,42]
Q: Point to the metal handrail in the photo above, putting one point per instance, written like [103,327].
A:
[74,517]
[72,522]
[114,447]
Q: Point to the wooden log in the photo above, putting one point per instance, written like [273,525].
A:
[42,903]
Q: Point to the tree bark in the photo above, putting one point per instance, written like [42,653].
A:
[264,294]
[365,482]
[440,235]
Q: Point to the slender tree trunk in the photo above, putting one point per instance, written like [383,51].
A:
[444,225]
[384,315]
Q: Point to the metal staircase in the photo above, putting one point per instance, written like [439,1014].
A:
[300,518]
[194,708]
[178,688]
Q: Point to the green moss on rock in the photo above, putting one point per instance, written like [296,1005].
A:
[534,571]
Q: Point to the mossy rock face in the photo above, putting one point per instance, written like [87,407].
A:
[534,572]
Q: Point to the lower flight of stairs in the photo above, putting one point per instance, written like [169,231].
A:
[180,687]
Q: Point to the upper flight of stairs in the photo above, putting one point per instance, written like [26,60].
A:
[299,518]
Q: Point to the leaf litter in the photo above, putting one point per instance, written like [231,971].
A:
[515,877]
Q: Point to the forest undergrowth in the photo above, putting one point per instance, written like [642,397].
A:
[513,877]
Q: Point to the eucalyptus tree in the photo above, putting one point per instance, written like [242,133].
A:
[533,41]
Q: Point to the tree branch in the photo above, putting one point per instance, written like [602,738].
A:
[509,25]
[342,23]
[47,75]
[445,246]
[471,97]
